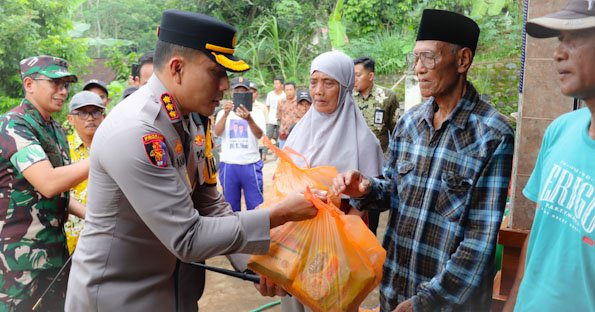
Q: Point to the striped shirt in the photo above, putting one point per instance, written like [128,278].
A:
[446,189]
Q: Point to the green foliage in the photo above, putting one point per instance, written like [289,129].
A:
[275,37]
[119,62]
[389,52]
[36,27]
[132,20]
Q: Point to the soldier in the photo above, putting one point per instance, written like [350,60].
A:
[378,105]
[33,151]
[152,195]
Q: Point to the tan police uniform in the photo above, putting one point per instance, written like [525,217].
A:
[141,216]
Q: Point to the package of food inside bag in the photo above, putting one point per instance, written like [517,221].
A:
[330,262]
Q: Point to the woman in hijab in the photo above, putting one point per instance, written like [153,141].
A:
[333,132]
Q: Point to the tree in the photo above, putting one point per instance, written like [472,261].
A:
[31,28]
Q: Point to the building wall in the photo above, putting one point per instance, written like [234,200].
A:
[540,103]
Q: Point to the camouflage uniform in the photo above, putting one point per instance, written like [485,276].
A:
[32,240]
[380,98]
[31,226]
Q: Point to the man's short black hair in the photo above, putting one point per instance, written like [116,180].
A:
[367,62]
[290,83]
[280,79]
[164,51]
[146,58]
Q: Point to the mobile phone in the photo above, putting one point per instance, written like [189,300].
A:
[244,98]
[134,70]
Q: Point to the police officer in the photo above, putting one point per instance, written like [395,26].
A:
[33,151]
[151,194]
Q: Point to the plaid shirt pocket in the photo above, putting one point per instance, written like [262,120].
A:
[454,193]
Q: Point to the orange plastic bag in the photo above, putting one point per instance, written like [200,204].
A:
[330,262]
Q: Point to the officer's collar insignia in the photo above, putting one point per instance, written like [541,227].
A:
[170,107]
[199,140]
[156,149]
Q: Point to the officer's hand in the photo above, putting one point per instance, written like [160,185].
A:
[227,107]
[294,207]
[242,112]
[269,289]
[352,183]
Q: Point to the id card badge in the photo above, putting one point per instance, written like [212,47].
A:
[378,116]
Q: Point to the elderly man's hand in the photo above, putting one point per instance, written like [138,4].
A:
[269,289]
[352,183]
[405,306]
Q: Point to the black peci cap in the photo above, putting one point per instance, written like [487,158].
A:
[204,33]
[448,27]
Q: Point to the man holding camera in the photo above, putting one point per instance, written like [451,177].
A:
[240,166]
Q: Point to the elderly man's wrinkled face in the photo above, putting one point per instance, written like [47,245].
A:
[575,60]
[325,92]
[436,68]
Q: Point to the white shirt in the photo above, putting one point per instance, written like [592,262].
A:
[239,146]
[271,102]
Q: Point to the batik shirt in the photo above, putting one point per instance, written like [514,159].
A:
[446,189]
[74,225]
[386,100]
[287,114]
[31,225]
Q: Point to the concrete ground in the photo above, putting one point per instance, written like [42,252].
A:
[224,293]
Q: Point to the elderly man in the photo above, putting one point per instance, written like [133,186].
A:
[557,261]
[152,195]
[445,181]
[35,179]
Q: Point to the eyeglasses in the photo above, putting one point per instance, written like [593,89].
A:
[428,59]
[84,115]
[57,83]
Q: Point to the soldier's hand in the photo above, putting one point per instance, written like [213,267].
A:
[242,112]
[227,107]
[267,288]
[352,183]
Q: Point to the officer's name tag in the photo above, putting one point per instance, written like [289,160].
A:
[378,116]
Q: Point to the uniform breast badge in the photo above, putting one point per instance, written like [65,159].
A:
[156,149]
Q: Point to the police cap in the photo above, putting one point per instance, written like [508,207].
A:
[204,33]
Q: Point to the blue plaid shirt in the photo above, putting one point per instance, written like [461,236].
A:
[446,189]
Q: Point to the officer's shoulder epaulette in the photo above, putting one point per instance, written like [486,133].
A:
[151,107]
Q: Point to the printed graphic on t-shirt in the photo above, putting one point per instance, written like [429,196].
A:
[568,196]
[238,133]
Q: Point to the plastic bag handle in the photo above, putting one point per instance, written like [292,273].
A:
[284,153]
[318,203]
